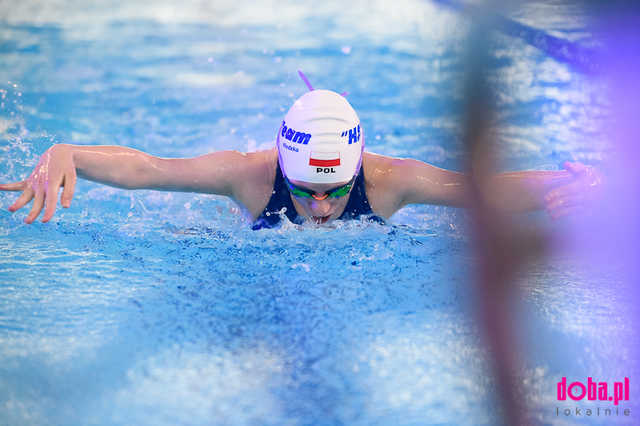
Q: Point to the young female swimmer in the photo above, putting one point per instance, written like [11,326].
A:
[318,171]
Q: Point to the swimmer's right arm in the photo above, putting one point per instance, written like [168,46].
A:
[121,167]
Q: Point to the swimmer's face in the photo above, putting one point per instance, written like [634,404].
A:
[320,210]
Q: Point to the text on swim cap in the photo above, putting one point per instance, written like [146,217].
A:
[325,170]
[294,136]
[290,148]
[354,134]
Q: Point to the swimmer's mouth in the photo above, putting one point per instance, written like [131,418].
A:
[319,220]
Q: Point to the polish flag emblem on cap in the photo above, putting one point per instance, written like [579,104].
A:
[324,159]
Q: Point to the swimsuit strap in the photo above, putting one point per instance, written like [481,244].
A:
[358,203]
[280,202]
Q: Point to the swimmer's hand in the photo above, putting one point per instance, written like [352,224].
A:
[584,189]
[56,168]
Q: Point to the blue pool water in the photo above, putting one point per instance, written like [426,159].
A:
[140,307]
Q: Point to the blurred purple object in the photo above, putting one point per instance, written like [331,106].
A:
[607,235]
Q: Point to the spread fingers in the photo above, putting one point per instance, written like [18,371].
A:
[26,196]
[51,201]
[15,186]
[38,203]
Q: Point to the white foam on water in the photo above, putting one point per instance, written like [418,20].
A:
[412,370]
[238,79]
[182,386]
[371,19]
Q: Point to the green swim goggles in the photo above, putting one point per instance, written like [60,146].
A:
[337,192]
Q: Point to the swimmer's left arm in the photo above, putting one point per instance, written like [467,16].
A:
[524,191]
[559,192]
[416,182]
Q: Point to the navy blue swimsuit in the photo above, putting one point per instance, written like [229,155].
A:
[280,202]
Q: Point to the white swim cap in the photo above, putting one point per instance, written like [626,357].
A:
[320,139]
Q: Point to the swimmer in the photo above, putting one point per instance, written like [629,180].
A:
[317,172]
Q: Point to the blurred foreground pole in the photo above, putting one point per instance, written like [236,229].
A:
[502,246]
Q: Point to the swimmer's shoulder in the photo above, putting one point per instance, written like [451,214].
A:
[257,173]
[383,178]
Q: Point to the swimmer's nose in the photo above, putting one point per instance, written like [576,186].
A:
[320,207]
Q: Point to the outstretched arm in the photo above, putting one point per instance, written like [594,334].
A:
[557,191]
[123,168]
